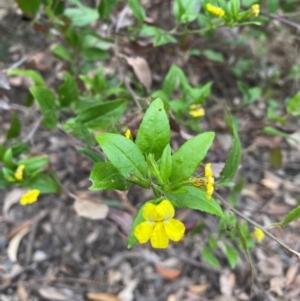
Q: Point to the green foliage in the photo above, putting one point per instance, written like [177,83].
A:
[105,176]
[29,7]
[46,100]
[293,106]
[165,165]
[137,10]
[194,198]
[234,158]
[67,91]
[15,127]
[290,217]
[210,258]
[35,76]
[188,157]
[154,132]
[123,154]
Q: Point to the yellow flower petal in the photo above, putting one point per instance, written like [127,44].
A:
[208,170]
[128,134]
[150,213]
[258,234]
[165,210]
[29,197]
[255,9]
[174,229]
[217,11]
[19,172]
[159,238]
[143,231]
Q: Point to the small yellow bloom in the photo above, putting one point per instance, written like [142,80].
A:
[255,9]
[29,197]
[196,111]
[217,11]
[210,180]
[258,234]
[19,172]
[159,225]
[128,134]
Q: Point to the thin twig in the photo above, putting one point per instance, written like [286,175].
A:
[249,220]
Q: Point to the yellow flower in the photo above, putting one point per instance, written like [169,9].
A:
[258,234]
[196,111]
[29,197]
[210,180]
[128,134]
[255,9]
[217,11]
[159,225]
[19,172]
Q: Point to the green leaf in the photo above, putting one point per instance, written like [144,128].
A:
[213,55]
[2,152]
[29,7]
[35,76]
[210,258]
[138,219]
[290,217]
[154,132]
[123,154]
[232,256]
[8,159]
[68,91]
[15,127]
[160,36]
[243,240]
[94,156]
[44,183]
[269,130]
[106,8]
[186,11]
[62,52]
[194,198]
[34,164]
[235,155]
[102,115]
[137,10]
[165,165]
[272,6]
[81,16]
[188,157]
[293,106]
[46,101]
[105,176]
[170,80]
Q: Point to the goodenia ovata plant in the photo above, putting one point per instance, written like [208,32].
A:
[149,163]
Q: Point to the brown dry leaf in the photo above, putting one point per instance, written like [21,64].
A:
[127,293]
[141,70]
[22,292]
[199,289]
[227,283]
[271,181]
[53,294]
[122,219]
[291,274]
[169,269]
[12,198]
[276,285]
[13,246]
[87,206]
[102,297]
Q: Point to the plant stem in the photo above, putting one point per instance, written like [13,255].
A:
[249,220]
